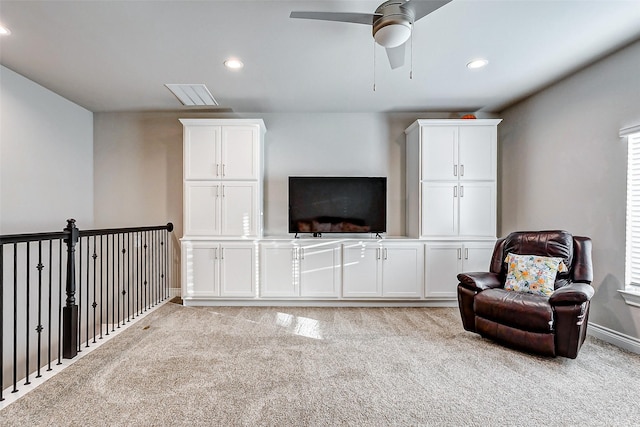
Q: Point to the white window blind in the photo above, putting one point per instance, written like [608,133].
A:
[633,211]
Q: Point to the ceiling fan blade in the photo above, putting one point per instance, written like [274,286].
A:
[422,8]
[355,18]
[396,56]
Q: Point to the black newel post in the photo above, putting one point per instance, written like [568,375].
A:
[70,311]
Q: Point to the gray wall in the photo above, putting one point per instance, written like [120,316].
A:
[46,158]
[562,165]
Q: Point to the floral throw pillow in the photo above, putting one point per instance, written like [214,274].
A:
[532,274]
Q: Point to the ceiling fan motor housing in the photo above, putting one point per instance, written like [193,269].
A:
[393,28]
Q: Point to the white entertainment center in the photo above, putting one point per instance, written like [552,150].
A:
[451,176]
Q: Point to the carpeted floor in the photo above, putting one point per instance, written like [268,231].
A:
[278,366]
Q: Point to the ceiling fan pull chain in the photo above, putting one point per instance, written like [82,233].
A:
[374,65]
[411,67]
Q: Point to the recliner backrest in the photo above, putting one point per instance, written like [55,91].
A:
[548,243]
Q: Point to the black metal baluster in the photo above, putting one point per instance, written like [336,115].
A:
[146,271]
[128,277]
[50,304]
[94,304]
[60,303]
[135,275]
[1,321]
[101,275]
[119,280]
[107,289]
[28,290]
[113,282]
[152,278]
[139,308]
[15,318]
[158,281]
[39,327]
[87,301]
[79,299]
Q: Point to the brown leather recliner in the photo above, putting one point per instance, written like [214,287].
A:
[553,325]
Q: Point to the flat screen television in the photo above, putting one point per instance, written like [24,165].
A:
[320,204]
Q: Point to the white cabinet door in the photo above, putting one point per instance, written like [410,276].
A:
[278,270]
[477,152]
[477,256]
[213,269]
[319,271]
[240,152]
[237,263]
[402,267]
[439,153]
[238,207]
[439,209]
[201,152]
[201,208]
[360,271]
[199,271]
[443,263]
[444,260]
[477,209]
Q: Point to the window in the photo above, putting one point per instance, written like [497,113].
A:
[632,265]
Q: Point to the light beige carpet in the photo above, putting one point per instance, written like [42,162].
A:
[328,367]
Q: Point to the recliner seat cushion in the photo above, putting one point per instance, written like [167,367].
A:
[520,310]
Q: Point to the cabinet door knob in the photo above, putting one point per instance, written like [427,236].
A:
[461,170]
[223,172]
[455,170]
[466,253]
[385,253]
[461,191]
[455,191]
[459,253]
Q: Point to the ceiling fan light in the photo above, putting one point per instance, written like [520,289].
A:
[393,35]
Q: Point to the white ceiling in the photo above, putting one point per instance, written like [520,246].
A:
[117,55]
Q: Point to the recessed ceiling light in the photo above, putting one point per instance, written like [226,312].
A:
[477,63]
[4,31]
[233,63]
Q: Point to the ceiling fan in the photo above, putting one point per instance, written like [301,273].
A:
[392,22]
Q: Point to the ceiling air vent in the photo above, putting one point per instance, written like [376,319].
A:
[192,94]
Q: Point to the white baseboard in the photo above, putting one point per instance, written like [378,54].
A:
[614,337]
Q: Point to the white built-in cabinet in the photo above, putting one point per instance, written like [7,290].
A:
[451,197]
[308,269]
[222,172]
[446,259]
[451,184]
[452,178]
[219,269]
[223,177]
[382,270]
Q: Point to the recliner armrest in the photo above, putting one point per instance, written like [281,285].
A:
[574,293]
[479,281]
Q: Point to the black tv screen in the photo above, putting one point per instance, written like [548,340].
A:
[337,204]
